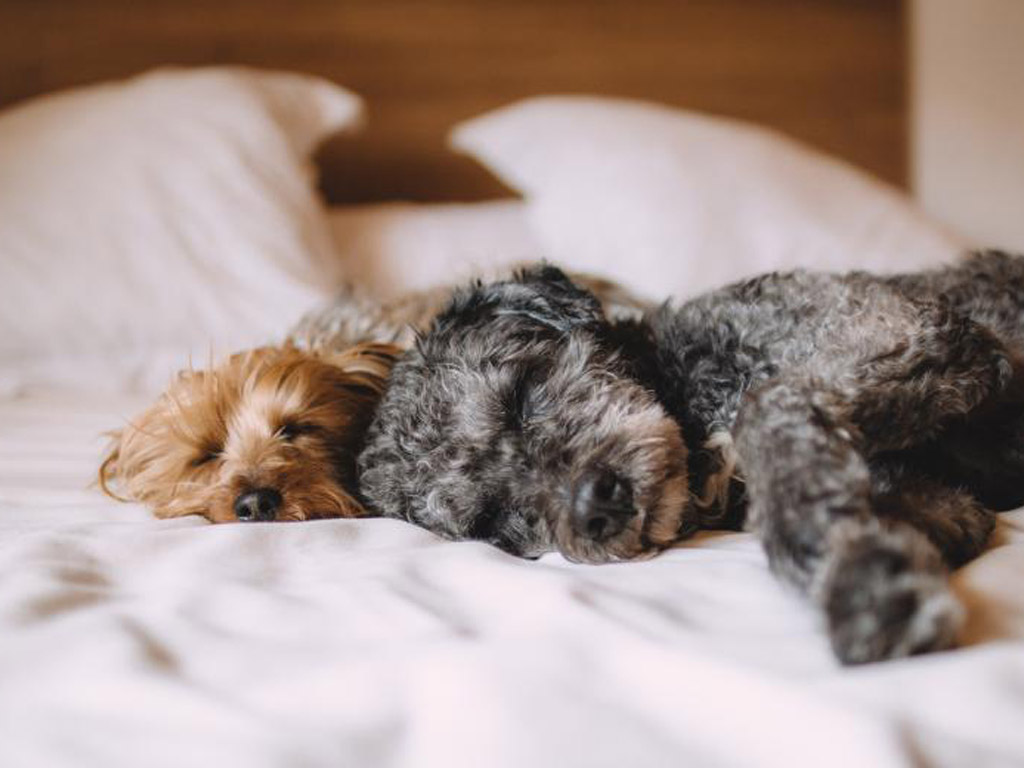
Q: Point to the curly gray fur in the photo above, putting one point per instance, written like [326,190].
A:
[354,317]
[862,426]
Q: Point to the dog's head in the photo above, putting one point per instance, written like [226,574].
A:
[512,421]
[271,434]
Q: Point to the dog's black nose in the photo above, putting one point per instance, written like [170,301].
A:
[602,504]
[260,504]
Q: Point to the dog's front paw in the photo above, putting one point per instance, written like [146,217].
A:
[888,597]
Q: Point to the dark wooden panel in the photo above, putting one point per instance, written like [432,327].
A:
[827,71]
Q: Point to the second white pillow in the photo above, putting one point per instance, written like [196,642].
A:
[674,202]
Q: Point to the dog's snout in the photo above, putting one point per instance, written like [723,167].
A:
[602,505]
[258,505]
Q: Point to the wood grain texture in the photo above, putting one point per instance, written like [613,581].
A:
[830,72]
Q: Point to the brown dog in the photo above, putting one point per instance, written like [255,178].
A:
[270,434]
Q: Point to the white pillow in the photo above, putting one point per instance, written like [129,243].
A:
[172,212]
[672,202]
[394,248]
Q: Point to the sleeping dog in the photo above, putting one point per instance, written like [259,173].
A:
[863,427]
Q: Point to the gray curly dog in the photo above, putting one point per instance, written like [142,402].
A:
[863,427]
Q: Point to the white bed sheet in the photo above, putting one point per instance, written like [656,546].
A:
[126,641]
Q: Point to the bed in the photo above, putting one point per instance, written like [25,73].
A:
[131,641]
[143,235]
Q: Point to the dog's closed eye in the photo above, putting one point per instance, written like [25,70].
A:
[294,429]
[208,455]
[487,519]
[490,525]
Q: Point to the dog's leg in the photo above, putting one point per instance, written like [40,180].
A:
[946,370]
[953,394]
[983,453]
[882,583]
[952,519]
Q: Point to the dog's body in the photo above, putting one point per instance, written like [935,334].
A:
[862,426]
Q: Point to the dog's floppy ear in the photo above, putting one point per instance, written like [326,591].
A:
[540,298]
[368,365]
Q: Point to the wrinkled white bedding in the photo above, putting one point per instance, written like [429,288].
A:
[126,641]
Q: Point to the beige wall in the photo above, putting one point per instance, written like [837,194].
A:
[967,128]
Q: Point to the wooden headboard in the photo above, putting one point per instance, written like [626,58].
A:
[831,72]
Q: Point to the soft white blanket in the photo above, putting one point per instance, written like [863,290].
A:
[126,641]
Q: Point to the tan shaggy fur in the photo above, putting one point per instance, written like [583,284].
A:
[279,418]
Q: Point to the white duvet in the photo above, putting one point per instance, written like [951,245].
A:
[127,641]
